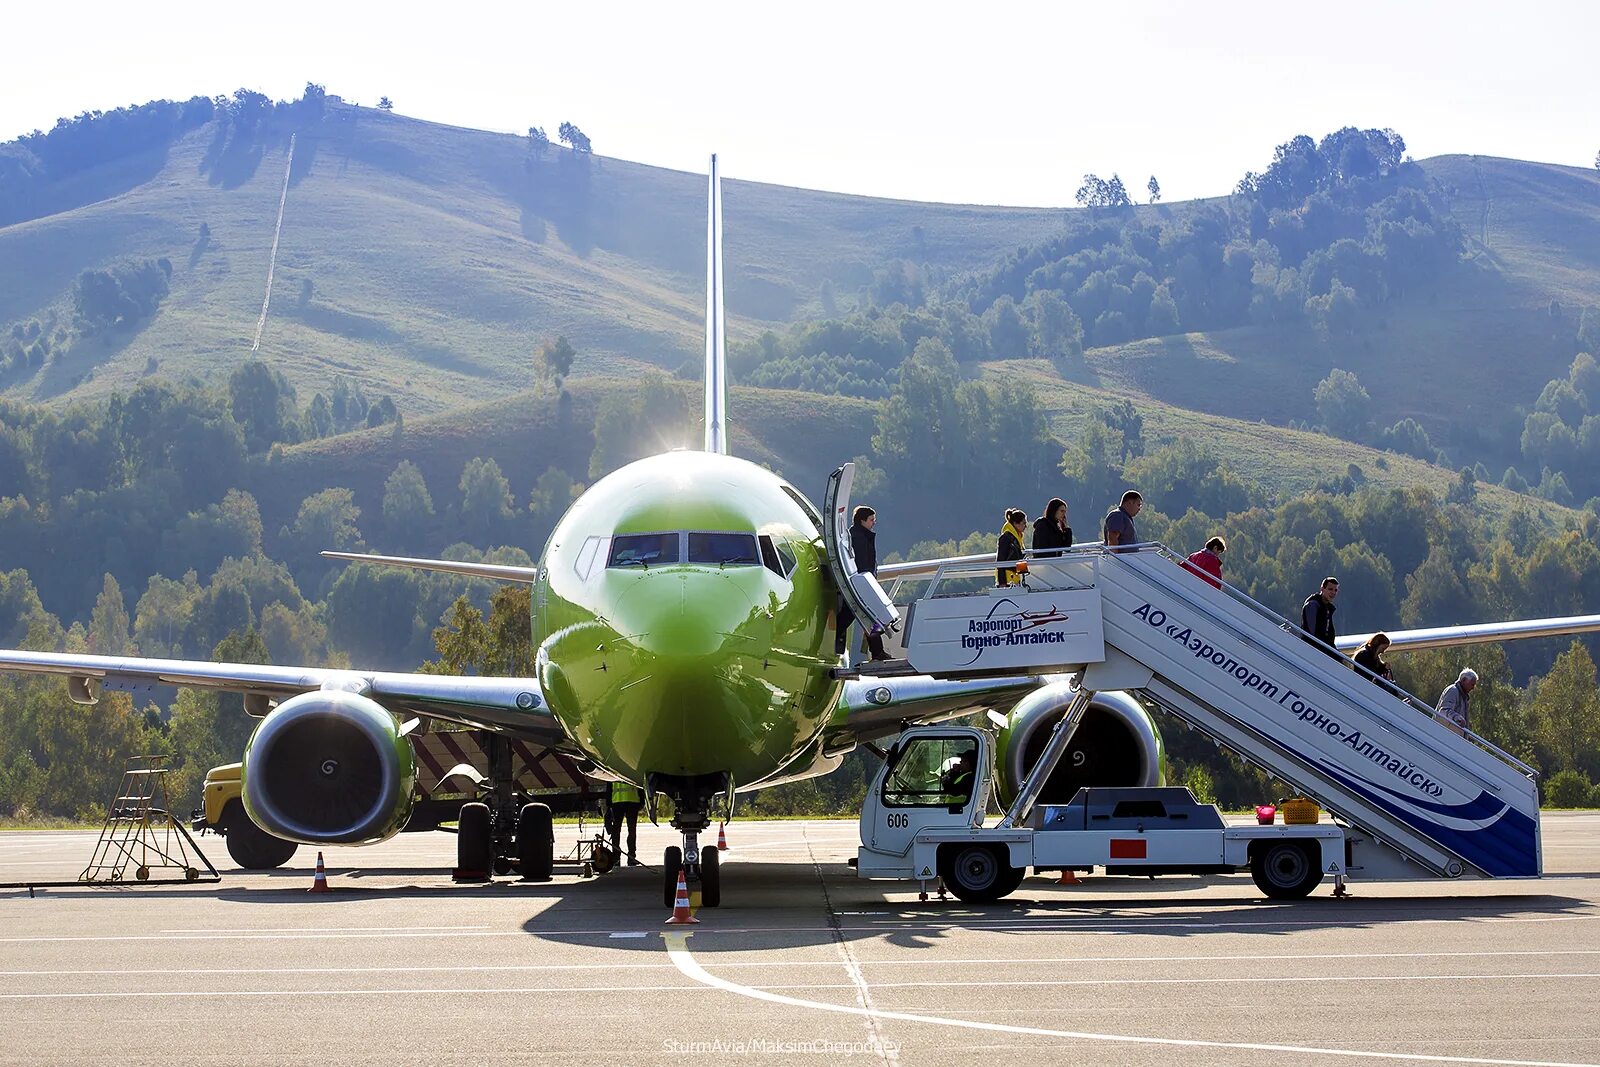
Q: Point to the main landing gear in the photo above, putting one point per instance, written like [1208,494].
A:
[502,834]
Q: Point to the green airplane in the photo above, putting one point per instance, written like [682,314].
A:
[684,620]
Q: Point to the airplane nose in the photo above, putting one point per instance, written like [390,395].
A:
[676,616]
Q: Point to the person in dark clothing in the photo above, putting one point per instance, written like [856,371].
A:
[1370,656]
[864,547]
[1207,562]
[1009,547]
[1119,521]
[1316,614]
[1050,530]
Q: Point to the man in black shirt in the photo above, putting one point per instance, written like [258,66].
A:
[1316,614]
[864,547]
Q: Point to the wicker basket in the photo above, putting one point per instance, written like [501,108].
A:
[1299,811]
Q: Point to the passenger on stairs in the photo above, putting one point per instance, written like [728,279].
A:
[1316,615]
[864,546]
[1370,656]
[1207,562]
[1452,707]
[1119,520]
[1050,530]
[1009,546]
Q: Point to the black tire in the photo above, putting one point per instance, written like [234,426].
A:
[250,846]
[602,859]
[671,865]
[536,842]
[474,847]
[710,878]
[978,874]
[1286,870]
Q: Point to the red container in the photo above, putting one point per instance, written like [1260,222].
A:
[1265,813]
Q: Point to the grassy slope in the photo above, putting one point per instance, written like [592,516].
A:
[1286,461]
[1471,351]
[438,263]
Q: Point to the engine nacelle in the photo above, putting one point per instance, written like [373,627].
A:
[329,767]
[1116,744]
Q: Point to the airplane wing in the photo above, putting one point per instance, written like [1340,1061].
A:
[512,706]
[1477,634]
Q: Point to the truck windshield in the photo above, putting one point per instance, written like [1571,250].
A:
[932,772]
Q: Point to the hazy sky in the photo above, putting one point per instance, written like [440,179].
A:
[1010,104]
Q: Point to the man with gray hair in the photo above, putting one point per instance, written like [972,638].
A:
[1452,707]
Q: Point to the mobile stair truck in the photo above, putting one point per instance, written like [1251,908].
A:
[1409,798]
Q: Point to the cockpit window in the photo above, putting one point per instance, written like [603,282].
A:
[643,550]
[724,549]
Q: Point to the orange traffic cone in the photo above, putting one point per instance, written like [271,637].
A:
[319,882]
[680,906]
[722,837]
[1069,878]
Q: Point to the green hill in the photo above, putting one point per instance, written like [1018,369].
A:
[435,259]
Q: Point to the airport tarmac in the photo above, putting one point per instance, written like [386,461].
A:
[803,963]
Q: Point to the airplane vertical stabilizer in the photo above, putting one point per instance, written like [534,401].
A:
[716,362]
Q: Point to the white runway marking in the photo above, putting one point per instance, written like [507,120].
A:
[314,929]
[776,964]
[678,952]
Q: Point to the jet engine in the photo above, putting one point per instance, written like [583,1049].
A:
[329,767]
[1116,744]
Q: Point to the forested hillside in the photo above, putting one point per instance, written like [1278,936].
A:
[1356,364]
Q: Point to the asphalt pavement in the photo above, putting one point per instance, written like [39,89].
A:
[803,963]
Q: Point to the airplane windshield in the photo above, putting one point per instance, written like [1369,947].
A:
[643,550]
[724,549]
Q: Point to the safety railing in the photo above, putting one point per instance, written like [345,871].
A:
[1266,613]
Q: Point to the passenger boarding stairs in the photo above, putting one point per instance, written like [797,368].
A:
[1422,799]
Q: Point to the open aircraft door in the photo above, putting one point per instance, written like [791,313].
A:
[861,591]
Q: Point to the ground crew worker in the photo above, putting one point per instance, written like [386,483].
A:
[624,805]
[958,778]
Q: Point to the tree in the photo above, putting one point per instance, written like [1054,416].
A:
[1589,332]
[262,403]
[1155,189]
[1059,331]
[538,140]
[384,104]
[1566,711]
[574,138]
[555,359]
[108,626]
[1097,192]
[501,647]
[1343,405]
[485,495]
[327,520]
[406,501]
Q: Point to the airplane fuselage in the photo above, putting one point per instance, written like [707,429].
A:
[682,620]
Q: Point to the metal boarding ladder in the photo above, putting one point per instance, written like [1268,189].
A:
[1249,679]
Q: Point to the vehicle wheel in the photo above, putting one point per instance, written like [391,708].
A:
[710,878]
[191,875]
[602,859]
[474,849]
[143,874]
[250,846]
[1286,870]
[536,842]
[671,865]
[978,874]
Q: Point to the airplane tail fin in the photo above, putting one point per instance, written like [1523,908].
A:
[716,363]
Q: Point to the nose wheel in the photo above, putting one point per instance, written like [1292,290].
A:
[705,875]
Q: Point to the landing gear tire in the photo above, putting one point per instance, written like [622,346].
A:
[536,842]
[710,878]
[602,859]
[978,874]
[1286,870]
[250,846]
[671,865]
[474,847]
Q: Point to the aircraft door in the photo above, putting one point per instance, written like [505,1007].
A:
[861,591]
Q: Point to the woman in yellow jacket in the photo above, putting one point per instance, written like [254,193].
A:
[1011,546]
